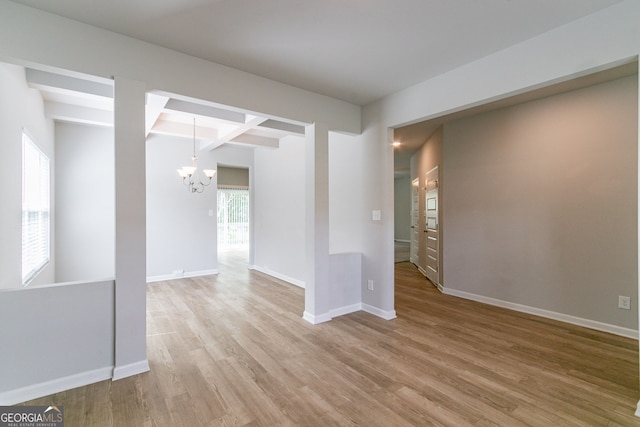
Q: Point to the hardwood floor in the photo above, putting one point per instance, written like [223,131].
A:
[233,350]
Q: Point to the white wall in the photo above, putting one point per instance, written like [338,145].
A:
[63,338]
[280,217]
[540,202]
[279,222]
[180,233]
[20,107]
[345,193]
[85,210]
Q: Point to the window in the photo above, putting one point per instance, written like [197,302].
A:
[35,209]
[233,216]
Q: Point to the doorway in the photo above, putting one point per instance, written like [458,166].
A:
[233,213]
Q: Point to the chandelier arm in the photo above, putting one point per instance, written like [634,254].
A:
[188,174]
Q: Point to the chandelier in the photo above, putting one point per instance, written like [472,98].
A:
[189,174]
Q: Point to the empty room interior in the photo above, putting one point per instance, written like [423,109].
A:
[348,213]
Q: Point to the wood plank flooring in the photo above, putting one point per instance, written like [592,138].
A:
[233,350]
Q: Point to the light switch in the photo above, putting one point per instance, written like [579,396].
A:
[210,212]
[376,215]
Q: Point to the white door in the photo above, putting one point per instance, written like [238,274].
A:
[415,229]
[432,226]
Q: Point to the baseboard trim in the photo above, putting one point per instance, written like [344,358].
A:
[348,309]
[345,310]
[315,320]
[161,278]
[124,371]
[291,280]
[579,321]
[57,385]
[386,315]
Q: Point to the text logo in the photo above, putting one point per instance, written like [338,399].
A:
[31,416]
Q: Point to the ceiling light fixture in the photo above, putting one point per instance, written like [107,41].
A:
[188,173]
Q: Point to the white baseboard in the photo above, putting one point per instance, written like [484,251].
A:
[120,372]
[592,324]
[386,315]
[35,391]
[345,310]
[314,320]
[174,276]
[296,282]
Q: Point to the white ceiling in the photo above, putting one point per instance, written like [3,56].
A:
[354,50]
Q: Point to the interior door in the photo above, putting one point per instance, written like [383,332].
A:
[415,228]
[432,226]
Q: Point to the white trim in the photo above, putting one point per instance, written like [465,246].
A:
[402,241]
[592,324]
[314,320]
[348,309]
[296,282]
[120,372]
[151,279]
[422,270]
[341,311]
[637,413]
[34,391]
[424,273]
[386,315]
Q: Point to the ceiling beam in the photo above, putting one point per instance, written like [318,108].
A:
[183,130]
[204,110]
[51,82]
[78,114]
[287,127]
[255,141]
[154,107]
[251,123]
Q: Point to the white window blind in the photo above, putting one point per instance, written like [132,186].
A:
[35,209]
[233,216]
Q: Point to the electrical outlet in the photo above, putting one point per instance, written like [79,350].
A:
[624,302]
[370,284]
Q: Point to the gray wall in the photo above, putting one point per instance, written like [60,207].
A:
[540,203]
[402,207]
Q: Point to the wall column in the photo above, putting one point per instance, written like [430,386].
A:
[316,295]
[130,229]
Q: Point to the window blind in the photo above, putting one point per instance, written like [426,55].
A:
[35,209]
[233,216]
